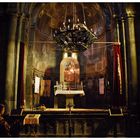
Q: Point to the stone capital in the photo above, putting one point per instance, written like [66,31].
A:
[130,11]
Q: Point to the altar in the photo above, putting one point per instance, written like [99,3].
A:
[69,96]
[69,84]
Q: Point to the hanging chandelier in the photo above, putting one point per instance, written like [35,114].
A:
[74,35]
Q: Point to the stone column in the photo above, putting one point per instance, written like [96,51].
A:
[10,62]
[125,59]
[22,63]
[17,50]
[29,70]
[117,94]
[26,39]
[117,35]
[132,56]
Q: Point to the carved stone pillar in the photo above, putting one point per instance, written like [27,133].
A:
[29,70]
[10,62]
[125,58]
[132,57]
[117,30]
[18,39]
[117,97]
[22,63]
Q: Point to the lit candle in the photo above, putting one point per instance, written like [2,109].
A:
[78,20]
[56,82]
[76,26]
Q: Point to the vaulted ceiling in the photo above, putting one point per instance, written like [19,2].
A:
[49,16]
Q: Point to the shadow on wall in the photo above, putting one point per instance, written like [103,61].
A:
[46,91]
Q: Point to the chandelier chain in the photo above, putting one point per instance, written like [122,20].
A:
[83,14]
[65,14]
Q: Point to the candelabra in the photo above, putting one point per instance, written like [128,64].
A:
[74,36]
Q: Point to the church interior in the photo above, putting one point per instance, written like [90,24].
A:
[70,69]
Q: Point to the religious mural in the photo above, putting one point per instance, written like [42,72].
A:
[96,61]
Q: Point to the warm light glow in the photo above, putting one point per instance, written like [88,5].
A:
[74,55]
[65,55]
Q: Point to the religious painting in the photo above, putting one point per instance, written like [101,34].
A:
[69,70]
